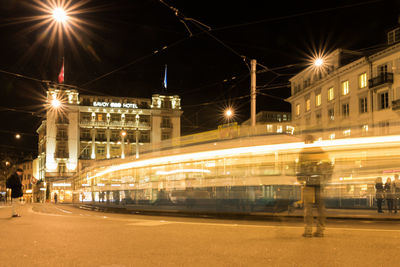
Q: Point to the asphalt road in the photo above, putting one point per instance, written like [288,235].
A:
[61,235]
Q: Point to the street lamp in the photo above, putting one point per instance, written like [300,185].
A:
[318,62]
[229,114]
[60,15]
[55,103]
[137,135]
[17,136]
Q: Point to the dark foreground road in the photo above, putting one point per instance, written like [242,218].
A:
[60,235]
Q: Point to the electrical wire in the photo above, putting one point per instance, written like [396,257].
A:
[214,102]
[272,96]
[295,15]
[22,76]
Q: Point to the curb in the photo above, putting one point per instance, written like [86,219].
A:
[225,215]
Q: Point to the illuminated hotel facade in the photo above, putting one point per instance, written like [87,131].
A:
[352,94]
[88,127]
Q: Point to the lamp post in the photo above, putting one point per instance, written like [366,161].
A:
[123,134]
[137,135]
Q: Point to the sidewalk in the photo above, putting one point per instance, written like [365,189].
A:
[348,214]
[357,214]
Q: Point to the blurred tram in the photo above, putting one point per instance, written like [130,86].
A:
[255,174]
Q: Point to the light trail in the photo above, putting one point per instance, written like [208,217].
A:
[251,150]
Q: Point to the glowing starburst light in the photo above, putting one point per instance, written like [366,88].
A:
[229,113]
[55,103]
[318,62]
[56,21]
[60,15]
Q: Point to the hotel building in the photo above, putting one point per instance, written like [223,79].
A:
[351,94]
[80,128]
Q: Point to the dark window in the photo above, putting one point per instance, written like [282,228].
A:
[384,100]
[363,105]
[165,136]
[345,110]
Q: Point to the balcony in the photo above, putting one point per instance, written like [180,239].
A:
[62,155]
[166,125]
[396,104]
[115,124]
[381,80]
[61,137]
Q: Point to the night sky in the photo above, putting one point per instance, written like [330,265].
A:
[207,70]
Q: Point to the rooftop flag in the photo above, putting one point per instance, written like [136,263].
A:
[61,75]
[165,77]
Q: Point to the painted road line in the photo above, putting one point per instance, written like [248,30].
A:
[65,211]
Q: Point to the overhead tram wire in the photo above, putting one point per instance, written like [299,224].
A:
[295,15]
[138,60]
[214,102]
[181,17]
[229,27]
[17,132]
[45,81]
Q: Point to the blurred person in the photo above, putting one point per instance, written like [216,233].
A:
[15,184]
[380,194]
[389,194]
[314,170]
[55,198]
[396,191]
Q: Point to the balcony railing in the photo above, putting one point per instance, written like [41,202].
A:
[60,137]
[61,155]
[396,104]
[166,125]
[381,79]
[115,123]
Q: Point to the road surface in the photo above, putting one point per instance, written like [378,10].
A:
[62,235]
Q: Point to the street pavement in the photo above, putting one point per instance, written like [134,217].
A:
[62,235]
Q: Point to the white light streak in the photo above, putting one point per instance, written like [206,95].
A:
[181,170]
[251,150]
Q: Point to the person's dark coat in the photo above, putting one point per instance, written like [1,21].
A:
[380,193]
[388,191]
[16,185]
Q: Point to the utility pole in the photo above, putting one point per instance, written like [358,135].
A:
[253,64]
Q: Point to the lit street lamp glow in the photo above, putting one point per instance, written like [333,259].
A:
[60,15]
[318,62]
[123,133]
[228,113]
[55,103]
[17,136]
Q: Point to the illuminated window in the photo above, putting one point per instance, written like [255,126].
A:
[308,105]
[363,105]
[289,129]
[362,80]
[331,94]
[332,136]
[318,100]
[364,128]
[345,110]
[279,129]
[297,109]
[346,132]
[269,128]
[345,88]
[100,117]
